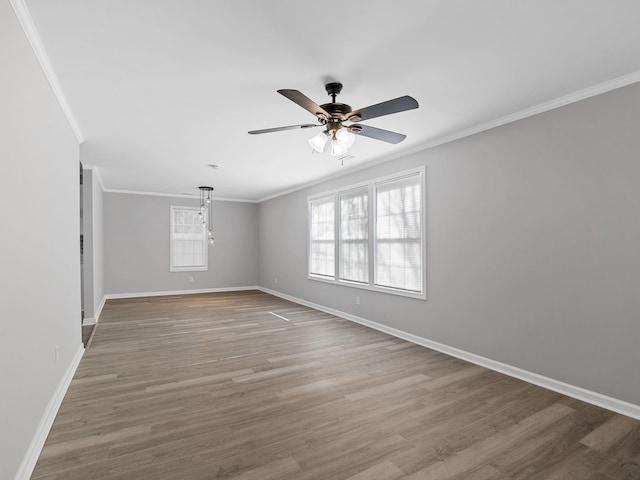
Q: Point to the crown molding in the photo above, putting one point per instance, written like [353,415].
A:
[195,196]
[574,97]
[95,171]
[24,17]
[333,176]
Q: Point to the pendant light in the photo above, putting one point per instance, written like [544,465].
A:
[206,212]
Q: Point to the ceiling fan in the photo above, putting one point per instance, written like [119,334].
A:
[338,136]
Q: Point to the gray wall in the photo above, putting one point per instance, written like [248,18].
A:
[136,245]
[533,246]
[93,199]
[40,244]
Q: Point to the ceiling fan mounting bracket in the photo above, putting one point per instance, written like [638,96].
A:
[333,89]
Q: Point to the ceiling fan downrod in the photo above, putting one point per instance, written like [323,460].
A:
[333,89]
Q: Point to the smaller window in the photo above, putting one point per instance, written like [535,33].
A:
[188,240]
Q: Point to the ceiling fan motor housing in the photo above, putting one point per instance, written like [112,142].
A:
[338,110]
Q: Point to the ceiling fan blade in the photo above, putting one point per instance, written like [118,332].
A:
[377,133]
[396,105]
[280,129]
[305,102]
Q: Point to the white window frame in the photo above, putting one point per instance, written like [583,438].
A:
[191,268]
[370,185]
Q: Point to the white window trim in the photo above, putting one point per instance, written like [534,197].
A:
[173,268]
[372,215]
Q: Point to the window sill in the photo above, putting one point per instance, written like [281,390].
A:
[188,269]
[371,288]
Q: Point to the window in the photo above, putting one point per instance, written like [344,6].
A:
[354,236]
[372,235]
[399,234]
[188,240]
[322,237]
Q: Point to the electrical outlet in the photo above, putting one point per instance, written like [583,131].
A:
[357,299]
[275,280]
[191,279]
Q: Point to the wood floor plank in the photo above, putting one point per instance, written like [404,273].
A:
[480,453]
[390,387]
[609,433]
[271,471]
[382,471]
[214,386]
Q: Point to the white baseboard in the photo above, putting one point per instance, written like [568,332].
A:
[99,310]
[42,431]
[598,399]
[96,318]
[110,296]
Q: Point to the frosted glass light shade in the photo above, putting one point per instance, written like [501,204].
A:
[336,149]
[318,142]
[345,138]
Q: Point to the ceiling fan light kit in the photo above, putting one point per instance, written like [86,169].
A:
[337,137]
[335,143]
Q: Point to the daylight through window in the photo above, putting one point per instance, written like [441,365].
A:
[371,235]
[188,240]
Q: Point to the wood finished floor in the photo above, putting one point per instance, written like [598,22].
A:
[215,386]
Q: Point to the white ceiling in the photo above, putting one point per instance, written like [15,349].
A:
[163,88]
